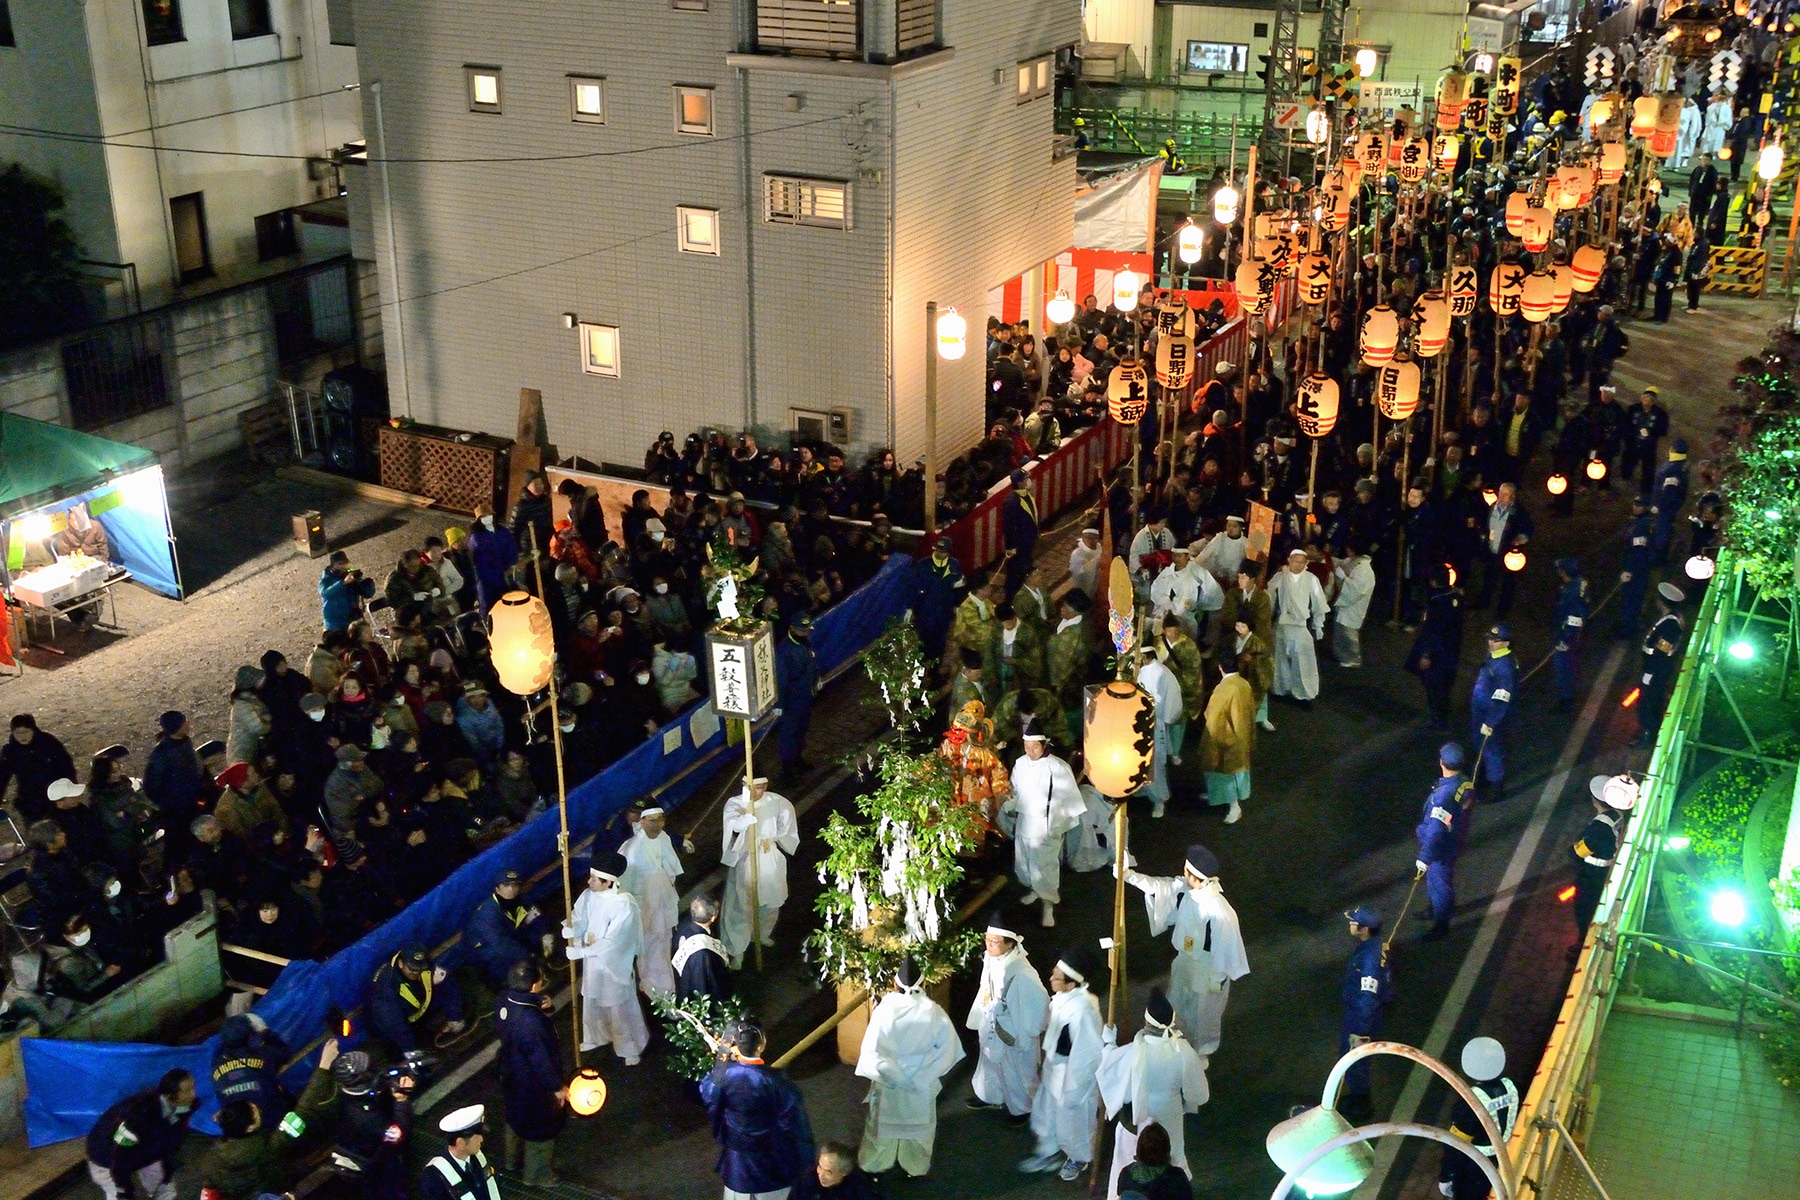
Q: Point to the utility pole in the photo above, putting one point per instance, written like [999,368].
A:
[1331,34]
[1284,76]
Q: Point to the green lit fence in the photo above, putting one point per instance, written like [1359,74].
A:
[1202,140]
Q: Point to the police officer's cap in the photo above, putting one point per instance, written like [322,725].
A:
[1671,593]
[415,957]
[1483,1059]
[353,1070]
[942,543]
[1451,754]
[1366,915]
[1500,632]
[1202,861]
[463,1121]
[508,876]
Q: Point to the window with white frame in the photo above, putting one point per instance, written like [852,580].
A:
[694,110]
[484,88]
[792,200]
[697,230]
[600,349]
[1035,77]
[587,99]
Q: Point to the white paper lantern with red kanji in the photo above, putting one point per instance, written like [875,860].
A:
[1452,94]
[1564,276]
[1380,334]
[1316,404]
[1462,289]
[1612,162]
[1517,205]
[1586,267]
[1538,298]
[1128,392]
[1506,284]
[1540,223]
[1431,322]
[1315,279]
[1397,389]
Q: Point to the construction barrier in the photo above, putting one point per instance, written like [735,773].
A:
[1737,271]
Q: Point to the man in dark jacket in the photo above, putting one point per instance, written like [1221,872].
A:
[938,587]
[699,957]
[374,1123]
[1438,647]
[505,931]
[247,1066]
[1019,529]
[758,1117]
[530,516]
[131,1148]
[531,1074]
[1703,181]
[797,678]
[408,997]
[33,758]
[259,1151]
[174,781]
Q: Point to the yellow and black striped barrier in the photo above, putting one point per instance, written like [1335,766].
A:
[1736,270]
[1675,954]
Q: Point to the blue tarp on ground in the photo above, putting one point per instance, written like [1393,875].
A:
[70,1083]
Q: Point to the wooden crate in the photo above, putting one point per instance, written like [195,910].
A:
[457,475]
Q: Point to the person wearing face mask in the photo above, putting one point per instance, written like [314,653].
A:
[81,970]
[492,552]
[674,672]
[669,614]
[131,1148]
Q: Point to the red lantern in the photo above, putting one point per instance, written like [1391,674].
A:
[1380,334]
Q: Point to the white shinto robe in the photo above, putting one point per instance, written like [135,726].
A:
[1300,611]
[1011,997]
[1084,568]
[652,866]
[606,935]
[909,1047]
[1209,951]
[1064,1113]
[1163,1079]
[1045,804]
[777,836]
[1088,846]
[1165,689]
[1718,124]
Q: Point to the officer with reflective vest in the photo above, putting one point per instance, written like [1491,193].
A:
[1484,1062]
[505,930]
[1614,797]
[1443,828]
[1489,705]
[409,995]
[1660,647]
[374,1122]
[1668,492]
[462,1171]
[1572,612]
[1634,569]
[1366,989]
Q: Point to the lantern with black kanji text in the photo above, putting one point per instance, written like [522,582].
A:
[1462,290]
[1372,153]
[1506,284]
[1397,388]
[1316,404]
[1431,321]
[1315,279]
[1128,392]
[1255,285]
[1415,159]
[1174,359]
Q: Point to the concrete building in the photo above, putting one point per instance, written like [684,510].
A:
[668,214]
[181,131]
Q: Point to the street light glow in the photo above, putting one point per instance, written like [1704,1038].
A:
[1741,650]
[1728,909]
[1679,841]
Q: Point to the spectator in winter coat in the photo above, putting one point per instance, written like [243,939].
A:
[481,725]
[32,758]
[492,552]
[132,1147]
[341,591]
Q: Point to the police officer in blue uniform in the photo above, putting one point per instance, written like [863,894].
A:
[1667,495]
[1489,706]
[505,930]
[1484,1062]
[796,681]
[462,1171]
[1367,987]
[1437,649]
[938,587]
[1443,828]
[1019,531]
[1634,569]
[1572,612]
[247,1066]
[409,995]
[1614,797]
[1660,647]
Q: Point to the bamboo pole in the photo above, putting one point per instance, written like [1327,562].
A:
[755,847]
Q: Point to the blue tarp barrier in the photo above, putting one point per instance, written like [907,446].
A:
[70,1083]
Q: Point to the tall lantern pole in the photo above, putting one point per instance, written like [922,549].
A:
[742,652]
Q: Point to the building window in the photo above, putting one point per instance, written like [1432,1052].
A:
[788,200]
[6,29]
[250,18]
[587,99]
[1036,77]
[828,28]
[697,230]
[162,22]
[600,350]
[484,88]
[694,110]
[688,5]
[193,259]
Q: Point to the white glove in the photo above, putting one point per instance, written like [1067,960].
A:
[1445,1189]
[438,974]
[437,591]
[1624,576]
[549,943]
[1420,863]
[1487,731]
[531,914]
[1646,679]
[1109,1036]
[421,595]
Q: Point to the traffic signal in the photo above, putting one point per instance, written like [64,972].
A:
[1263,74]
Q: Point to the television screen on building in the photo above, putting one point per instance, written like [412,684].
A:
[1210,57]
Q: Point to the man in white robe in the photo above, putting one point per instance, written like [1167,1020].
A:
[1222,554]
[1300,612]
[1045,804]
[1008,1017]
[777,835]
[1163,1079]
[1084,563]
[1165,689]
[1209,946]
[651,867]
[606,935]
[1153,538]
[909,1046]
[1088,846]
[1064,1112]
[1176,591]
[1356,586]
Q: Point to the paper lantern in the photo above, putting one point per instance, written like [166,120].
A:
[1662,142]
[1612,162]
[1174,360]
[1060,310]
[1540,223]
[1350,166]
[1173,316]
[1128,392]
[1449,147]
[1452,94]
[1316,404]
[1126,286]
[1397,389]
[1514,560]
[519,642]
[1462,290]
[1586,267]
[1599,113]
[1564,279]
[1506,285]
[1557,484]
[1700,568]
[1255,284]
[1431,322]
[1225,205]
[1643,116]
[1490,497]
[1668,111]
[1318,127]
[1517,206]
[1538,298]
[1768,163]
[952,331]
[1372,153]
[1118,738]
[1415,159]
[1380,334]
[587,1092]
[1315,279]
[1188,243]
[1366,61]
[1293,1141]
[1596,469]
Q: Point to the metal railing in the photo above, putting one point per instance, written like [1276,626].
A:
[1202,140]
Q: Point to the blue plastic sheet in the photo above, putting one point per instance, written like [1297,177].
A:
[72,1082]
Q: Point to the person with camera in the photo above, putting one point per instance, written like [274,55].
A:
[259,1148]
[374,1123]
[341,591]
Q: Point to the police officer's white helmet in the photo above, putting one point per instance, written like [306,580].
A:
[1483,1058]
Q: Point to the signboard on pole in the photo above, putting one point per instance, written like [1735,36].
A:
[1262,532]
[1289,114]
[1393,96]
[743,672]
